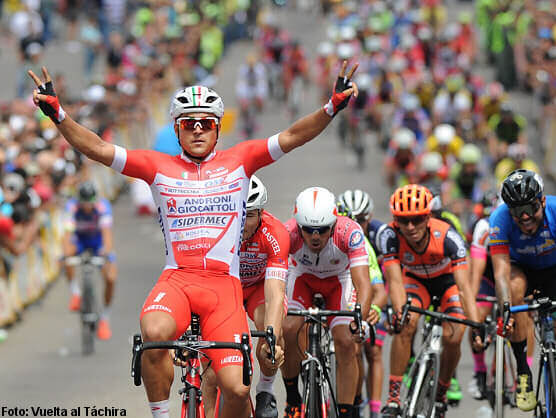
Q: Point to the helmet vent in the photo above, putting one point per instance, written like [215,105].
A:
[211,99]
[183,100]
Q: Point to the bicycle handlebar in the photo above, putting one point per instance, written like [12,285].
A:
[315,315]
[539,304]
[270,338]
[444,317]
[139,346]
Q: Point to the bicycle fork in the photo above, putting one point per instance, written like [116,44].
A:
[305,367]
[432,348]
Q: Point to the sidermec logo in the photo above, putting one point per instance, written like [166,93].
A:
[199,245]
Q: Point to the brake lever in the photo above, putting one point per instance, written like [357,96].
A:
[271,341]
[246,352]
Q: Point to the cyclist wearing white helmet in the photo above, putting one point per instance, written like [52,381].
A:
[200,196]
[263,268]
[359,206]
[400,161]
[328,256]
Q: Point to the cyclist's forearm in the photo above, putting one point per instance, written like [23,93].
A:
[86,141]
[362,283]
[380,297]
[461,277]
[274,305]
[502,278]
[396,287]
[303,130]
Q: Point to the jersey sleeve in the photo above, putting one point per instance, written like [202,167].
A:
[69,215]
[374,270]
[499,238]
[105,211]
[479,242]
[389,246]
[135,163]
[354,245]
[278,240]
[257,153]
[454,248]
[296,242]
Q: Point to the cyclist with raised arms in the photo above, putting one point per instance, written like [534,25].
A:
[263,268]
[359,206]
[328,256]
[201,196]
[523,252]
[88,226]
[424,257]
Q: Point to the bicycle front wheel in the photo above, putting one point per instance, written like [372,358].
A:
[423,385]
[311,402]
[552,381]
[189,406]
[87,321]
[499,378]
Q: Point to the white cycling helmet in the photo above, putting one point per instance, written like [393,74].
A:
[325,49]
[315,207]
[347,33]
[196,99]
[444,133]
[357,201]
[257,196]
[404,139]
[431,162]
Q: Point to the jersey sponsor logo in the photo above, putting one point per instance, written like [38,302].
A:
[355,239]
[436,234]
[157,307]
[197,246]
[220,171]
[208,220]
[276,273]
[335,261]
[543,248]
[306,260]
[171,204]
[383,237]
[272,241]
[408,257]
[458,240]
[232,359]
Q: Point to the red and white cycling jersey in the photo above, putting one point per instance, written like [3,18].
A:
[265,254]
[345,249]
[201,206]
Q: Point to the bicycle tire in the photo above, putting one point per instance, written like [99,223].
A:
[87,325]
[311,392]
[189,408]
[552,380]
[425,394]
[500,377]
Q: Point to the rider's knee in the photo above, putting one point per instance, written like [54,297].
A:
[154,330]
[236,391]
[344,346]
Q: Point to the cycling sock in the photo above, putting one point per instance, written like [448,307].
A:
[265,384]
[293,398]
[374,406]
[529,361]
[441,392]
[74,287]
[394,389]
[346,410]
[160,409]
[520,352]
[479,360]
[105,314]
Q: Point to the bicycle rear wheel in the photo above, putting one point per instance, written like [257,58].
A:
[88,323]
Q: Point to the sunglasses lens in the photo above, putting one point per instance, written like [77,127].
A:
[529,209]
[321,230]
[191,124]
[415,220]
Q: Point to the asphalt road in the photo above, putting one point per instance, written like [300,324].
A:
[40,363]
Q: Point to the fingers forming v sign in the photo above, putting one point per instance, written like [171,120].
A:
[42,86]
[347,79]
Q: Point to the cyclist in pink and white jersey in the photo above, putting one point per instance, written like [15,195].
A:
[201,197]
[327,256]
[263,270]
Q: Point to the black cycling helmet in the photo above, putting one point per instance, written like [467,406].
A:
[87,192]
[521,187]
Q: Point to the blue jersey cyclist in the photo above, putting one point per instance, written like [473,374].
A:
[88,227]
[523,250]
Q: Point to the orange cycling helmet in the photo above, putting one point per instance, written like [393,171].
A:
[411,200]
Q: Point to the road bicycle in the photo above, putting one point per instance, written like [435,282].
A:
[189,349]
[89,310]
[318,370]
[544,308]
[418,395]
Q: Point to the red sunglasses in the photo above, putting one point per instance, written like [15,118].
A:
[190,124]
